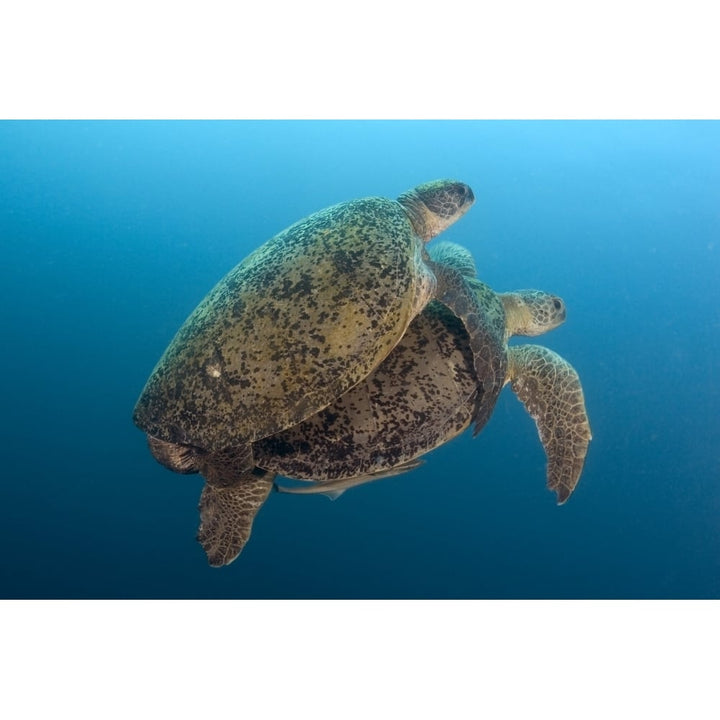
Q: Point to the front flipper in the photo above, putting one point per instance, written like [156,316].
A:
[227,514]
[552,394]
[483,316]
[334,488]
[454,256]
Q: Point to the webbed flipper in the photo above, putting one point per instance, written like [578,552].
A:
[550,389]
[227,514]
[454,256]
[483,316]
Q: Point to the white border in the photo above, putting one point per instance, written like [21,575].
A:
[376,59]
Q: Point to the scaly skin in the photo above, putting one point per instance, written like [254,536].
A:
[550,389]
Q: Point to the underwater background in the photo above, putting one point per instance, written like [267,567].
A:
[112,232]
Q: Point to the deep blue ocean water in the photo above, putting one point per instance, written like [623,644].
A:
[112,232]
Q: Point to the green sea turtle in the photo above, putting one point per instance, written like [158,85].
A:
[300,321]
[424,394]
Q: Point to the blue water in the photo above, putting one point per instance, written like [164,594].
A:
[112,232]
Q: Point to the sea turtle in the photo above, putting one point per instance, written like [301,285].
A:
[300,321]
[423,394]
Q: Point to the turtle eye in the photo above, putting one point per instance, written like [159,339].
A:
[557,304]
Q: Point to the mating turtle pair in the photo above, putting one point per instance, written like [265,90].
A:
[256,381]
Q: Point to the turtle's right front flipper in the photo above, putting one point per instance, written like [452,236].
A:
[227,513]
[550,389]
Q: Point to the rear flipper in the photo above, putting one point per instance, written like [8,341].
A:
[227,514]
[183,459]
[550,389]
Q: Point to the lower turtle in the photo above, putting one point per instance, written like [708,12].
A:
[424,394]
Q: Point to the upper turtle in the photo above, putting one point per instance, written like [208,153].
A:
[300,321]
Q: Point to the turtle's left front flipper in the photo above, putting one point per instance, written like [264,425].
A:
[227,513]
[483,316]
[552,394]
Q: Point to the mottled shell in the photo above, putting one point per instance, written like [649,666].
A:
[290,329]
[422,395]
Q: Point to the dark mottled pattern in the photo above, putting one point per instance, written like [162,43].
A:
[291,328]
[424,393]
[550,389]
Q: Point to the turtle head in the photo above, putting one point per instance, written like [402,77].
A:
[436,205]
[532,312]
